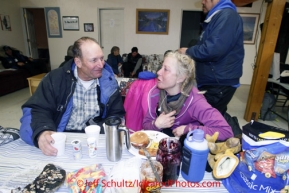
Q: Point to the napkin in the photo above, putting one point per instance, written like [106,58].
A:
[124,176]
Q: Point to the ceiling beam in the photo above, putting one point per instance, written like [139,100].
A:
[240,3]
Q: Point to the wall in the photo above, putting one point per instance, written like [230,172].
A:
[13,38]
[87,10]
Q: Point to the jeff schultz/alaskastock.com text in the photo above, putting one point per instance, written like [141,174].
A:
[135,183]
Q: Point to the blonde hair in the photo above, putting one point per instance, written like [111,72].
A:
[185,67]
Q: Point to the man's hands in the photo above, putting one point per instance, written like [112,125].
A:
[165,120]
[182,50]
[132,74]
[44,143]
[20,63]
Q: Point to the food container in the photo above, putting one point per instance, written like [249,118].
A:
[170,156]
[149,182]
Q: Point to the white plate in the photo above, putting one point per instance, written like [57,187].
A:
[155,136]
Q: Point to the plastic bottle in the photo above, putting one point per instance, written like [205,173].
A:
[195,155]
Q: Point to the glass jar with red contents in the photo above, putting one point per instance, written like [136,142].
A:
[169,155]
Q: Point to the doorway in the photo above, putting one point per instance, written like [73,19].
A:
[36,34]
[191,27]
[111,30]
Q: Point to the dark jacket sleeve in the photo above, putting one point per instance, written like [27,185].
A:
[9,62]
[120,59]
[115,105]
[111,60]
[43,106]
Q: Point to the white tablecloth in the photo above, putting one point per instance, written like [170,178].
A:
[21,163]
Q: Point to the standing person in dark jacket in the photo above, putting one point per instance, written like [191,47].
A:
[132,64]
[82,92]
[114,60]
[219,53]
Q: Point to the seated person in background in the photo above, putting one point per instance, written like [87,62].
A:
[175,105]
[16,60]
[132,64]
[114,60]
[68,56]
[82,92]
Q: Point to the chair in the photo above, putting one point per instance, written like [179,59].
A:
[136,104]
[281,92]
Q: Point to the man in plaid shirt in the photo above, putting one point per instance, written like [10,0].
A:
[82,92]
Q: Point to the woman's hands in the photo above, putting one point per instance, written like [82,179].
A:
[179,131]
[165,120]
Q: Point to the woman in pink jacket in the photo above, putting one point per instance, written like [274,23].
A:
[175,105]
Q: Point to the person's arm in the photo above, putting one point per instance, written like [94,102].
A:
[109,59]
[115,104]
[44,142]
[137,66]
[120,59]
[38,112]
[153,122]
[20,57]
[110,63]
[211,119]
[149,122]
[222,37]
[9,62]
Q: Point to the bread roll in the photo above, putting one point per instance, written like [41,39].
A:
[139,139]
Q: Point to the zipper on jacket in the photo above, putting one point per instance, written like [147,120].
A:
[71,91]
[107,104]
[60,108]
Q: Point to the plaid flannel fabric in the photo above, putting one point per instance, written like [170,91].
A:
[85,106]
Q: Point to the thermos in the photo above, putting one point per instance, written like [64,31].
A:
[113,137]
[195,155]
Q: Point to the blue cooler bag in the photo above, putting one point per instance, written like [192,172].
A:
[269,156]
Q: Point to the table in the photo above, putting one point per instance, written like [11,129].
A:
[278,93]
[34,81]
[20,163]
